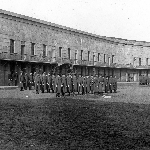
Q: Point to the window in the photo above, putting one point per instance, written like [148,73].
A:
[112,58]
[146,61]
[93,58]
[98,56]
[108,60]
[76,56]
[22,47]
[69,55]
[44,50]
[104,58]
[12,46]
[60,49]
[139,61]
[32,48]
[81,54]
[88,55]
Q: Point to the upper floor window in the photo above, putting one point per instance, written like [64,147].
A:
[12,46]
[32,48]
[104,58]
[139,61]
[81,54]
[93,58]
[22,47]
[108,60]
[69,53]
[112,58]
[60,51]
[88,55]
[76,53]
[146,61]
[98,56]
[44,50]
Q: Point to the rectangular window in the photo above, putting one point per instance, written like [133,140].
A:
[60,51]
[98,56]
[88,55]
[76,56]
[81,54]
[93,58]
[32,48]
[146,61]
[139,61]
[108,60]
[104,58]
[22,47]
[12,46]
[44,50]
[112,58]
[69,54]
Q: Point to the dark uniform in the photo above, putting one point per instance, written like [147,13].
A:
[37,83]
[88,84]
[115,84]
[63,85]
[30,81]
[74,80]
[106,84]
[95,81]
[79,80]
[44,82]
[92,84]
[100,85]
[16,78]
[53,84]
[68,79]
[49,82]
[21,80]
[110,82]
[26,81]
[58,86]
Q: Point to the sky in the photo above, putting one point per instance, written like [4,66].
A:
[127,19]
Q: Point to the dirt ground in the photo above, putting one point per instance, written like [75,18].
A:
[43,122]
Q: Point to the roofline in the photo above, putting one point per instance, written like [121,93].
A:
[108,39]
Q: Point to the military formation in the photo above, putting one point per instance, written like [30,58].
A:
[69,84]
[144,80]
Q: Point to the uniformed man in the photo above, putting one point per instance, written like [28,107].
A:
[21,80]
[41,82]
[44,81]
[34,78]
[68,80]
[100,85]
[49,82]
[63,85]
[95,81]
[115,84]
[79,84]
[16,78]
[74,80]
[25,81]
[84,85]
[37,83]
[110,83]
[106,83]
[53,84]
[30,81]
[92,84]
[88,84]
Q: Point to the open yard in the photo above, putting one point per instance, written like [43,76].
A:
[43,122]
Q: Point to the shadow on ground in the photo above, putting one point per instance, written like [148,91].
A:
[73,124]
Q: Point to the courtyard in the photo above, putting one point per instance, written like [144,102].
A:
[42,121]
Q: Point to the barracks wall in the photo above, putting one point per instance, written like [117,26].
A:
[22,29]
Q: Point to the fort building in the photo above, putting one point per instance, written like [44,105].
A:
[29,44]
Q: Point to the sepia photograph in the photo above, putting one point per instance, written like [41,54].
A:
[74,75]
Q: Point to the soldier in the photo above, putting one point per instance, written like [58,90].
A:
[63,85]
[74,80]
[100,85]
[88,84]
[106,84]
[53,84]
[115,84]
[30,81]
[37,83]
[68,79]
[10,79]
[44,81]
[16,78]
[21,80]
[25,81]
[92,84]
[34,78]
[95,81]
[110,83]
[41,83]
[49,82]
[84,85]
[58,86]
[79,84]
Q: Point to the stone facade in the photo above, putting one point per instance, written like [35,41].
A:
[29,30]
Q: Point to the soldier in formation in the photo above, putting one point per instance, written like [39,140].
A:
[70,84]
[144,80]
